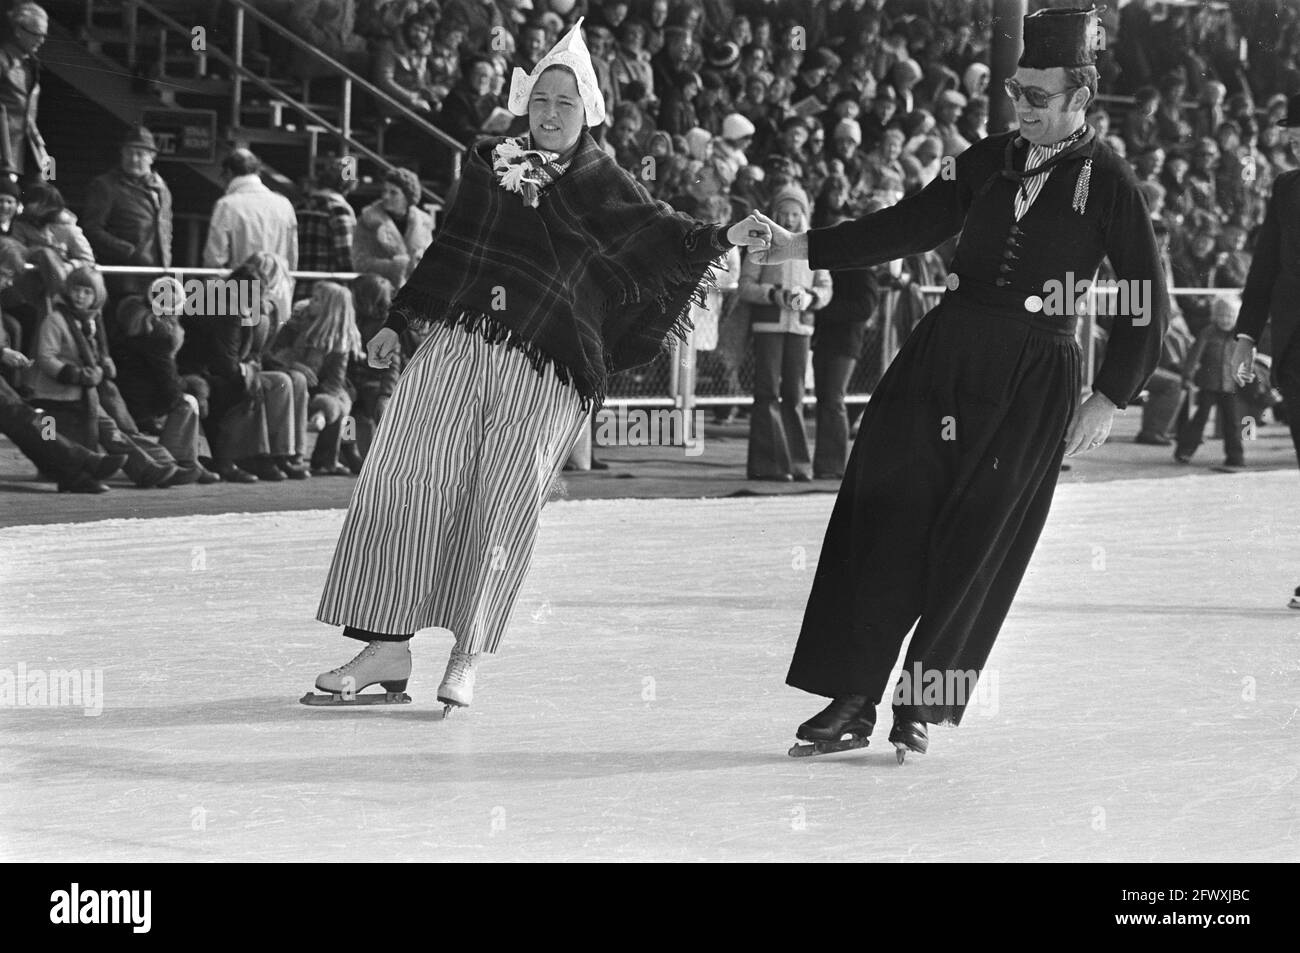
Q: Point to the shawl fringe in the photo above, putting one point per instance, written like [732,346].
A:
[422,311]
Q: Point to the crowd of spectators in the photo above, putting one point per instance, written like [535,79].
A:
[830,108]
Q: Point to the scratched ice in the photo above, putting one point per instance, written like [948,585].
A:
[1141,703]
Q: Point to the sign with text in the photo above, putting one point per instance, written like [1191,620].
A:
[184,135]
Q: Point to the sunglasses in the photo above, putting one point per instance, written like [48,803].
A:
[1032,94]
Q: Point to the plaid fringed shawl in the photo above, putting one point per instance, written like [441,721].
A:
[591,282]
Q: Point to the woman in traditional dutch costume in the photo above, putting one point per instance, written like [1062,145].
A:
[553,268]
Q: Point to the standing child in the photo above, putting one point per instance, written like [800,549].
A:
[1209,368]
[783,298]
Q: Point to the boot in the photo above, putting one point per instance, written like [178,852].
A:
[351,456]
[387,663]
[846,715]
[184,476]
[263,468]
[82,483]
[908,735]
[457,688]
[101,466]
[293,467]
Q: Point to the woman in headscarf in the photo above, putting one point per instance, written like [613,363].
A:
[552,269]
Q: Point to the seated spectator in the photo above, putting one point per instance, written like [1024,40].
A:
[975,81]
[625,137]
[146,335]
[948,109]
[393,231]
[1209,113]
[326,222]
[481,19]
[470,102]
[1099,119]
[973,124]
[1171,128]
[600,47]
[1141,130]
[1233,262]
[318,341]
[676,110]
[711,105]
[444,53]
[883,172]
[249,218]
[256,422]
[1202,178]
[631,62]
[10,195]
[70,362]
[929,159]
[401,67]
[330,27]
[47,226]
[371,387]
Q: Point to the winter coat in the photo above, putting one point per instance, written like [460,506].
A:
[129,221]
[378,247]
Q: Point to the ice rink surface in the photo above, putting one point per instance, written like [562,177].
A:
[1142,702]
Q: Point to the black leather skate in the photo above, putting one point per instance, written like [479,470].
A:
[908,735]
[843,725]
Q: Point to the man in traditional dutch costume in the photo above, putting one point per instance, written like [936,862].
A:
[958,454]
[553,269]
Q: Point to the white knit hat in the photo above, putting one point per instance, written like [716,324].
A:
[736,126]
[571,52]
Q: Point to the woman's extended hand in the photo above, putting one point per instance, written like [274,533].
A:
[750,232]
[383,349]
[783,246]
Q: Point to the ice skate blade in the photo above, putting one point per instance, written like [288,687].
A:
[338,700]
[827,747]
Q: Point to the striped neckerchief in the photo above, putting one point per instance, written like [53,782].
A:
[1030,187]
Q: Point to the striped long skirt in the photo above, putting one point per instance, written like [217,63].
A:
[443,519]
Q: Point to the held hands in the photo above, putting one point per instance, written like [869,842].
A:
[1091,425]
[1243,362]
[750,232]
[783,245]
[383,349]
[796,299]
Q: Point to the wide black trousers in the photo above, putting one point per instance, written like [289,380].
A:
[947,489]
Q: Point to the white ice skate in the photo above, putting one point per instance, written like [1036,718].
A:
[385,663]
[457,688]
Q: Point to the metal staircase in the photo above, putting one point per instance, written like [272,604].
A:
[138,59]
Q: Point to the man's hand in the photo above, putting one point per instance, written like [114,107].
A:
[784,246]
[1243,361]
[750,232]
[1091,424]
[383,349]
